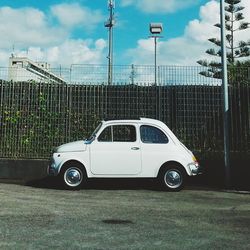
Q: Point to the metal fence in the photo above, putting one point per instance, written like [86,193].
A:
[122,74]
[37,116]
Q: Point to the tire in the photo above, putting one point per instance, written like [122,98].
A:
[73,176]
[172,178]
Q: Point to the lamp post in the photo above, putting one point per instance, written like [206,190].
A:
[155,30]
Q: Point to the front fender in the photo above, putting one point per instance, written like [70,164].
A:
[59,159]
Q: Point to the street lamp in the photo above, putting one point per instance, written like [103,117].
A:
[155,30]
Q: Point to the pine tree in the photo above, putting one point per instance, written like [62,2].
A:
[235,50]
[238,74]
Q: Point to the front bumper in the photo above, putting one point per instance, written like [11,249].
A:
[195,168]
[52,169]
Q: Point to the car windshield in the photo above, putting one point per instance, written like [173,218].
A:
[92,136]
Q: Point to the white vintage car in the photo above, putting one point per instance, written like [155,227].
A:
[142,148]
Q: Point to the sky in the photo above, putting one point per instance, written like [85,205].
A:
[66,32]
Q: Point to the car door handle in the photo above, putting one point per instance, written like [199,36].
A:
[135,148]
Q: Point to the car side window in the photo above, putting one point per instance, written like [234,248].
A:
[124,133]
[118,133]
[150,134]
[106,135]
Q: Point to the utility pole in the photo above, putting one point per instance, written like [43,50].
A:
[110,24]
[225,96]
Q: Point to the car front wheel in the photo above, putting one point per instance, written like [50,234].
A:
[73,176]
[172,178]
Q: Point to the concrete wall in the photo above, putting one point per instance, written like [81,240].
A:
[22,170]
[25,170]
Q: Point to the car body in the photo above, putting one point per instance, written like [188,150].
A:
[139,148]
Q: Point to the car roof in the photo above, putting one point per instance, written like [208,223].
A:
[141,120]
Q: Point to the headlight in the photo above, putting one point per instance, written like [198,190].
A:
[194,166]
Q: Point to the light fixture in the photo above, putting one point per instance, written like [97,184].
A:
[155,28]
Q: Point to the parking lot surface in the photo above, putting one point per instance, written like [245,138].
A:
[118,217]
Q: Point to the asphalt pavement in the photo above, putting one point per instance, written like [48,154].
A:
[134,215]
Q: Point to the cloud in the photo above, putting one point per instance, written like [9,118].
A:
[183,50]
[246,11]
[71,15]
[27,26]
[159,6]
[191,46]
[176,51]
[32,34]
[67,53]
[199,30]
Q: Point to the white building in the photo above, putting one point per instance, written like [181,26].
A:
[23,69]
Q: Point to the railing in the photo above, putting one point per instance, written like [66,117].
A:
[122,74]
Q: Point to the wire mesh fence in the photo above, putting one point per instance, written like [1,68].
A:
[97,75]
[37,116]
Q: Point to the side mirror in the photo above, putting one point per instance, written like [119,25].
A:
[90,139]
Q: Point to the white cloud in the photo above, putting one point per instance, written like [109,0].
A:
[70,15]
[35,53]
[67,53]
[184,50]
[79,52]
[176,51]
[100,44]
[246,11]
[25,26]
[31,34]
[159,6]
[191,46]
[202,29]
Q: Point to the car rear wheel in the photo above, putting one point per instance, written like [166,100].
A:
[172,178]
[73,176]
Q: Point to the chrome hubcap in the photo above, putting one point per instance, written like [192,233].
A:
[173,178]
[73,177]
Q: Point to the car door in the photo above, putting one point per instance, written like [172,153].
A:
[116,151]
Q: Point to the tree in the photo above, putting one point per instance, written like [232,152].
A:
[235,49]
[238,74]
